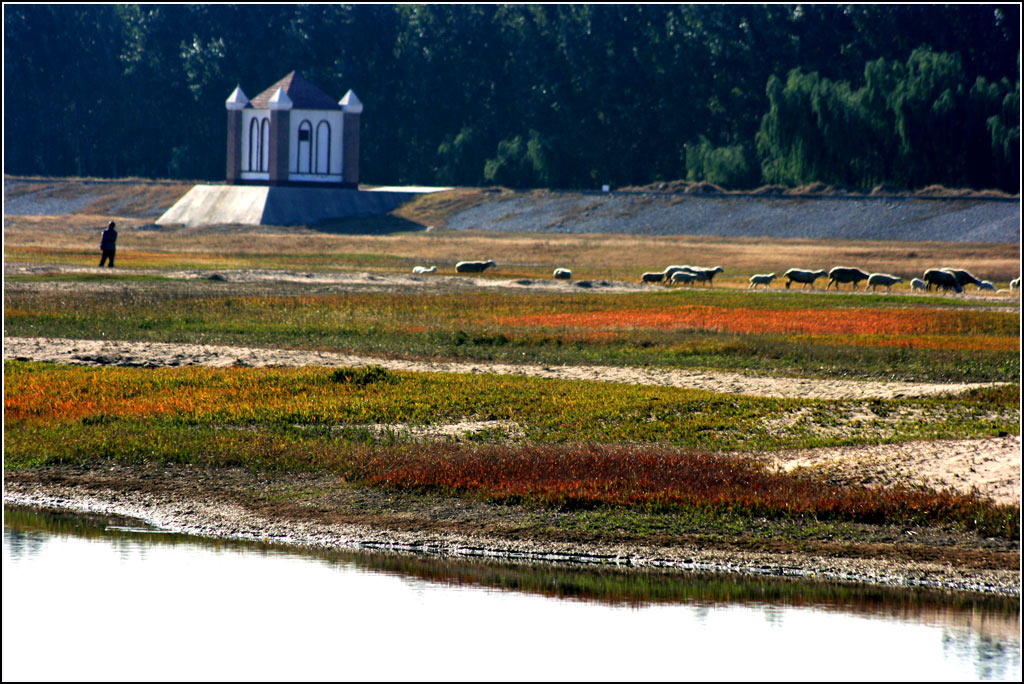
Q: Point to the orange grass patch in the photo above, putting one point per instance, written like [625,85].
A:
[746,320]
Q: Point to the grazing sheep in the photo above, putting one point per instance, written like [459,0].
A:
[704,274]
[424,269]
[845,274]
[986,285]
[672,270]
[884,279]
[473,266]
[652,277]
[1015,284]
[962,277]
[918,284]
[683,277]
[761,279]
[799,275]
[562,274]
[943,279]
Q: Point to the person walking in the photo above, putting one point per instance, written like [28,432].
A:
[108,245]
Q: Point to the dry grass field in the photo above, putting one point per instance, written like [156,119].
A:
[622,257]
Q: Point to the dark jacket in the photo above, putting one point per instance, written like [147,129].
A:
[108,240]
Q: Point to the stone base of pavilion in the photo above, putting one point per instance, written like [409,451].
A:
[257,205]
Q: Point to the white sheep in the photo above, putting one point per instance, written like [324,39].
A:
[761,279]
[683,277]
[562,274]
[424,269]
[652,277]
[473,266]
[672,270]
[918,284]
[884,279]
[1015,284]
[986,285]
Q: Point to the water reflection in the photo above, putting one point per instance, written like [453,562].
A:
[456,617]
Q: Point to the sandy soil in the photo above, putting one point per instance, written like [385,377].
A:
[990,466]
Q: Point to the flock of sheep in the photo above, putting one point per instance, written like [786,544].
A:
[945,278]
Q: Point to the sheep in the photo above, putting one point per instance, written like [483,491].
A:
[799,275]
[918,284]
[962,277]
[652,277]
[672,270]
[845,274]
[424,269]
[684,277]
[699,272]
[876,279]
[562,274]
[704,274]
[1015,284]
[943,279]
[761,279]
[473,266]
[986,285]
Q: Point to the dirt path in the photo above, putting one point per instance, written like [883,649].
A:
[162,355]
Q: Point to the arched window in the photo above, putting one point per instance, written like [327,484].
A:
[323,147]
[304,159]
[254,146]
[265,144]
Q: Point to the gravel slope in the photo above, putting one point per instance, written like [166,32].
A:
[834,218]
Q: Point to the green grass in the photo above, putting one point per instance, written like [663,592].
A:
[547,411]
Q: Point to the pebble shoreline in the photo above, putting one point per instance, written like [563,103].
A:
[211,519]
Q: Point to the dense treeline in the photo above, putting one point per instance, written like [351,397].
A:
[566,96]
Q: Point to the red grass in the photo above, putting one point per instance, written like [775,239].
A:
[583,476]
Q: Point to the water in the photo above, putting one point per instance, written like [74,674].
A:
[90,598]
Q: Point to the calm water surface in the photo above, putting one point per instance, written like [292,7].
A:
[90,598]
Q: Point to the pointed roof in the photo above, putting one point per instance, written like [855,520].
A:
[351,103]
[302,93]
[237,99]
[280,100]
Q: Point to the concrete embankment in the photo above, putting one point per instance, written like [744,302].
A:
[277,206]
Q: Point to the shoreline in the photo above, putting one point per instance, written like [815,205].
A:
[187,507]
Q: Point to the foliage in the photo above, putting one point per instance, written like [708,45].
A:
[558,95]
[911,124]
[362,376]
[728,166]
